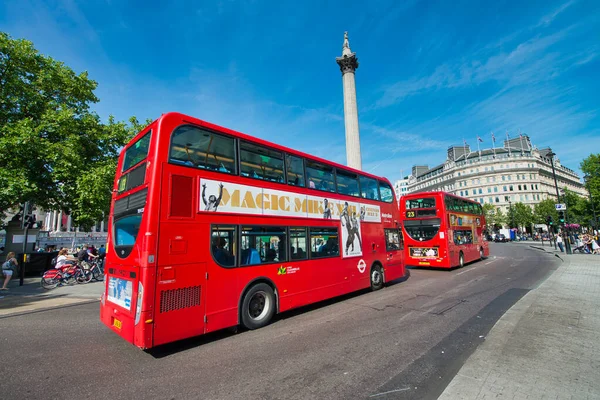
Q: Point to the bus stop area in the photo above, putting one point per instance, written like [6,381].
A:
[545,346]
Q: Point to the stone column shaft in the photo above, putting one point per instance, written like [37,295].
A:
[353,157]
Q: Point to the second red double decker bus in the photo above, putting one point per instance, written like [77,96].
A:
[211,228]
[442,230]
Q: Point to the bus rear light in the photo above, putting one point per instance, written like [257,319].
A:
[138,306]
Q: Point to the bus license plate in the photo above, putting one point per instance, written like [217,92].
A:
[117,324]
[424,263]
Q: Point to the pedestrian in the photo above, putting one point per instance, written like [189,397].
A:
[559,243]
[9,267]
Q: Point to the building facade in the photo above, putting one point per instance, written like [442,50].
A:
[516,172]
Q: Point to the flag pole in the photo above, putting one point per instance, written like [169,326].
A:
[508,142]
[465,148]
[521,140]
[494,144]
[478,149]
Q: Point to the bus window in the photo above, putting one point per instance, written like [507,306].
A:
[261,163]
[195,147]
[324,242]
[347,183]
[463,236]
[136,152]
[427,202]
[387,194]
[393,239]
[263,245]
[298,244]
[422,230]
[223,246]
[368,188]
[295,170]
[320,176]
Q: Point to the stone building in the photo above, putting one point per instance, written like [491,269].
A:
[515,172]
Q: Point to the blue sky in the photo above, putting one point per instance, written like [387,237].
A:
[431,72]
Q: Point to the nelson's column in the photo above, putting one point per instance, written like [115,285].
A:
[348,64]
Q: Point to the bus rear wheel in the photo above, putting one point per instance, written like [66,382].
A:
[258,306]
[461,260]
[376,277]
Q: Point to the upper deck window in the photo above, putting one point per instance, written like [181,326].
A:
[427,202]
[368,188]
[295,170]
[347,183]
[387,194]
[137,152]
[320,176]
[261,163]
[200,148]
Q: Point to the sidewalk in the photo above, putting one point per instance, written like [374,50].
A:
[546,346]
[32,297]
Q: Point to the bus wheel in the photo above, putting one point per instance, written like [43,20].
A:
[461,260]
[376,277]
[481,255]
[258,306]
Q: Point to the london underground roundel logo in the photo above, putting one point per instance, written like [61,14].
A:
[362,266]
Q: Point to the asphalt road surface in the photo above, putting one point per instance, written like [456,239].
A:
[406,341]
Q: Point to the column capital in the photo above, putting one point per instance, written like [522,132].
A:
[347,63]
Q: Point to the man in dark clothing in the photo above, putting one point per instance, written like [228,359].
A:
[82,255]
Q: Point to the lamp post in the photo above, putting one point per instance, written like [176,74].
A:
[586,178]
[566,240]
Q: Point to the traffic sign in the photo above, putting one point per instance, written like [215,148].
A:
[561,207]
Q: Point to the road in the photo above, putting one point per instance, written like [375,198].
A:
[406,341]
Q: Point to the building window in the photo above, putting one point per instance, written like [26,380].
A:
[511,188]
[480,191]
[497,200]
[481,200]
[504,188]
[519,186]
[495,189]
[524,187]
[489,190]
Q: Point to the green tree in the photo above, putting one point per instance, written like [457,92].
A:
[577,207]
[591,170]
[54,151]
[543,209]
[494,217]
[522,215]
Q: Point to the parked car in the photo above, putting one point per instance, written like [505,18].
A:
[500,237]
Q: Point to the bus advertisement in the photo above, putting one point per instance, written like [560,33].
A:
[442,230]
[211,228]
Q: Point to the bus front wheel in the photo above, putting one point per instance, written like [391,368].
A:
[258,306]
[376,277]
[461,260]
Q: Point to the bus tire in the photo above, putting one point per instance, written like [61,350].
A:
[376,277]
[481,253]
[461,259]
[258,306]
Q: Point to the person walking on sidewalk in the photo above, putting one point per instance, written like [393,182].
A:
[559,243]
[9,267]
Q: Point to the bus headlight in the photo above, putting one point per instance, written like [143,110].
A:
[138,306]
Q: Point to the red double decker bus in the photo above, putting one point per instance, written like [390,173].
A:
[211,228]
[442,230]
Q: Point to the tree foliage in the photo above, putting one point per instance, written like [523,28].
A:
[543,209]
[54,151]
[591,169]
[522,215]
[494,217]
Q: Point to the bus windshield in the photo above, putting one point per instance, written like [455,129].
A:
[137,152]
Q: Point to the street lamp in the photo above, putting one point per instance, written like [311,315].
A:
[512,221]
[586,178]
[566,240]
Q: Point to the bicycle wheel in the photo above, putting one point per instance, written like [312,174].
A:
[49,283]
[84,276]
[97,274]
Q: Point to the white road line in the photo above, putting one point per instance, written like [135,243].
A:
[391,391]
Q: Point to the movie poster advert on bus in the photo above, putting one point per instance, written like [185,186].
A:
[217,196]
[351,238]
[120,292]
[424,252]
[464,220]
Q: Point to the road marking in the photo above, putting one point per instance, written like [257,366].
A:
[391,391]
